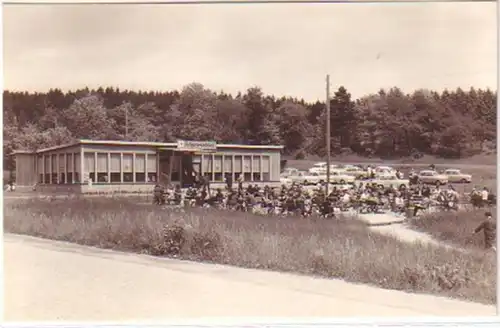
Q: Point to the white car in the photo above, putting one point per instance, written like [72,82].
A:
[320,168]
[356,172]
[432,177]
[307,178]
[289,171]
[390,180]
[340,177]
[455,175]
[384,170]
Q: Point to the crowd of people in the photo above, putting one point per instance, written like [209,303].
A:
[303,201]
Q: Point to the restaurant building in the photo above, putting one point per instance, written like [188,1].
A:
[121,166]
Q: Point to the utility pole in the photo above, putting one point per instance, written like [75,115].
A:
[126,122]
[327,135]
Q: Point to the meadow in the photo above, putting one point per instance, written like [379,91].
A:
[343,248]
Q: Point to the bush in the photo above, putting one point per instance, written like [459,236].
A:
[343,248]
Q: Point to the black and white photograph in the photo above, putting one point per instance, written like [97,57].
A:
[190,160]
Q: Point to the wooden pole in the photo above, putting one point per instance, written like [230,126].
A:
[328,159]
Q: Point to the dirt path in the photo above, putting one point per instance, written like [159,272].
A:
[47,280]
[394,225]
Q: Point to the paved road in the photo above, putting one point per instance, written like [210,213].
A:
[47,280]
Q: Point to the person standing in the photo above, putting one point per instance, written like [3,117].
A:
[489,227]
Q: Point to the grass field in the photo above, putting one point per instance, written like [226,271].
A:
[343,248]
[453,227]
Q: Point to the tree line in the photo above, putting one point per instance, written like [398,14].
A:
[386,124]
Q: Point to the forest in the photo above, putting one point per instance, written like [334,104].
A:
[386,124]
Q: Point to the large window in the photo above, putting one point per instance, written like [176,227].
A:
[47,168]
[102,167]
[207,166]
[62,169]
[128,173]
[53,170]
[256,168]
[40,168]
[77,166]
[247,168]
[89,167]
[266,168]
[152,168]
[140,168]
[115,167]
[218,168]
[69,167]
[238,166]
[175,164]
[228,165]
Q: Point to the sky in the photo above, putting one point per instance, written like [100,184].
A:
[286,49]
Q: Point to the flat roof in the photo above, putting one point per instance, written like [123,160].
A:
[140,143]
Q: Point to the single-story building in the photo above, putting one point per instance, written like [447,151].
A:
[123,166]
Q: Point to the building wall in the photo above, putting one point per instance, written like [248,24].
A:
[25,170]
[124,168]
[125,165]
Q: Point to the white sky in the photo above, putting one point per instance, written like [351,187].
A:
[287,49]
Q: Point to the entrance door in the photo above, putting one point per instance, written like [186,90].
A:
[164,169]
[187,170]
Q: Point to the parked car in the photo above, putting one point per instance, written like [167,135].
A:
[340,177]
[432,177]
[455,175]
[307,178]
[356,172]
[318,168]
[384,170]
[289,171]
[390,180]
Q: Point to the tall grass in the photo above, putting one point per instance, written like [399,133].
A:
[342,248]
[454,228]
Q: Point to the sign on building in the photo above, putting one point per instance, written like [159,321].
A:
[197,146]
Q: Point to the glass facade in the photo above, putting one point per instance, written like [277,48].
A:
[103,167]
[100,167]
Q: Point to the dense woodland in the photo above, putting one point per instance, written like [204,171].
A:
[386,124]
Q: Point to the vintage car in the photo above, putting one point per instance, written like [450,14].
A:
[388,180]
[456,176]
[338,176]
[432,177]
[356,172]
[318,168]
[289,171]
[308,178]
[384,170]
